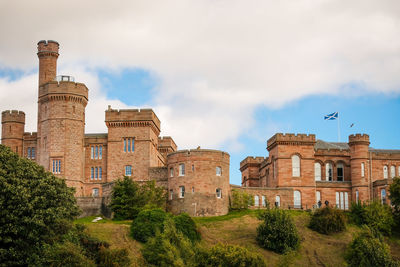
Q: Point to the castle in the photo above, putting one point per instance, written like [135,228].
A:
[299,172]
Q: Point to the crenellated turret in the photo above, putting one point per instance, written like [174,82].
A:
[12,130]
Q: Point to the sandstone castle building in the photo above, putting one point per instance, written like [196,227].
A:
[299,171]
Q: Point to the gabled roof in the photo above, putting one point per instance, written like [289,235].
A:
[320,144]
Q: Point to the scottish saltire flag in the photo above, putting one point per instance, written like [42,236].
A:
[332,116]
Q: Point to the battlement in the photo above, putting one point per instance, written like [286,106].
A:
[13,116]
[358,138]
[252,160]
[120,116]
[64,88]
[48,47]
[166,141]
[291,139]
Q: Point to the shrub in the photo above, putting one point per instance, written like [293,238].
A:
[185,224]
[170,248]
[228,255]
[277,232]
[113,258]
[36,209]
[327,221]
[129,198]
[375,215]
[65,254]
[147,224]
[394,197]
[368,249]
[240,200]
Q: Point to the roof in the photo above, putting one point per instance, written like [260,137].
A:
[387,151]
[320,144]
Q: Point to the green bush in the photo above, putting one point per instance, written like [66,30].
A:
[277,231]
[375,215]
[170,248]
[185,224]
[394,197]
[113,258]
[327,221]
[130,197]
[228,255]
[147,224]
[240,200]
[369,250]
[65,254]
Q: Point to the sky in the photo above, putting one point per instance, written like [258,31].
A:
[220,74]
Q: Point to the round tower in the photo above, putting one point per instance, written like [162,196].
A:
[360,176]
[48,54]
[12,130]
[61,119]
[198,182]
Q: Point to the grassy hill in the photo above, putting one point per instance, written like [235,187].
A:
[239,228]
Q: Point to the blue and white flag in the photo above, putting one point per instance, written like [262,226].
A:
[332,116]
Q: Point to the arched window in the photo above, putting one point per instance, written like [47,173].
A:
[328,169]
[385,172]
[263,201]
[277,201]
[218,171]
[340,171]
[383,196]
[295,166]
[317,171]
[362,169]
[256,201]
[219,192]
[392,171]
[297,199]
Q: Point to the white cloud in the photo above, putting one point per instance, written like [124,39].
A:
[217,60]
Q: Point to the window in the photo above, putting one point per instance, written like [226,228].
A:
[56,166]
[263,201]
[33,154]
[392,171]
[357,196]
[96,156]
[128,170]
[29,152]
[171,194]
[96,173]
[328,169]
[92,173]
[297,199]
[340,172]
[129,144]
[317,171]
[193,189]
[342,200]
[171,172]
[362,169]
[100,152]
[385,172]
[277,201]
[92,152]
[95,192]
[192,167]
[219,192]
[318,196]
[181,192]
[218,171]
[383,196]
[295,166]
[256,201]
[100,173]
[181,169]
[96,152]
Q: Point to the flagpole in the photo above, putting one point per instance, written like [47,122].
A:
[338,127]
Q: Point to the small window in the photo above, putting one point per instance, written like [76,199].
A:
[218,171]
[295,166]
[92,152]
[100,173]
[128,170]
[129,144]
[29,152]
[96,173]
[33,155]
[95,192]
[385,172]
[383,196]
[357,196]
[96,156]
[392,171]
[317,171]
[171,172]
[219,192]
[171,194]
[362,169]
[256,201]
[100,152]
[277,201]
[181,192]
[192,167]
[263,201]
[328,169]
[56,166]
[193,189]
[181,169]
[340,172]
[92,173]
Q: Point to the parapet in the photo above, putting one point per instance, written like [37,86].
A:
[13,116]
[199,154]
[290,139]
[256,161]
[48,47]
[119,117]
[359,138]
[64,88]
[167,141]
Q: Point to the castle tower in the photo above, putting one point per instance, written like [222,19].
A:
[360,175]
[61,119]
[12,130]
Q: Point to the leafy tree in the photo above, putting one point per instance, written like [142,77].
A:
[368,249]
[228,255]
[240,200]
[130,197]
[327,220]
[147,224]
[36,208]
[394,197]
[185,224]
[277,231]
